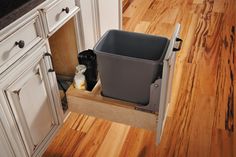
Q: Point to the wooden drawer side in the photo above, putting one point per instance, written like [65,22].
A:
[93,104]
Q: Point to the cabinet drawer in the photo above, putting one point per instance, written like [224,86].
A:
[94,104]
[58,13]
[15,45]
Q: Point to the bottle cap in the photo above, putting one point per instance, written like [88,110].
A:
[80,68]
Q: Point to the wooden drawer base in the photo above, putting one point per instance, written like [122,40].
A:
[93,104]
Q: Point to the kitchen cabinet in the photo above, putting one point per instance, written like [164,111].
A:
[30,110]
[36,53]
[28,97]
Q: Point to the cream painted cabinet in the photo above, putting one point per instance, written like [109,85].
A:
[29,99]
[5,148]
[98,16]
[30,107]
[109,15]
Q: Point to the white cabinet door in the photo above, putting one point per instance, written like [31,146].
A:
[30,98]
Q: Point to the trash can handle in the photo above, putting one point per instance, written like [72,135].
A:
[180,44]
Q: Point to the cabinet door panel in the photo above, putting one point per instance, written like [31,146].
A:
[39,119]
[32,103]
[166,85]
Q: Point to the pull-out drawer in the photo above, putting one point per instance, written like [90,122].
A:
[19,42]
[94,104]
[57,13]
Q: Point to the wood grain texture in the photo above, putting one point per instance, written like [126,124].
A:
[64,50]
[94,104]
[201,117]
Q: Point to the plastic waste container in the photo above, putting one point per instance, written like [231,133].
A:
[128,63]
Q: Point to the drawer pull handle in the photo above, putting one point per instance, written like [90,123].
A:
[51,70]
[180,44]
[49,55]
[20,44]
[66,9]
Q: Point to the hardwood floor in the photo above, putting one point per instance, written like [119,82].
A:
[201,120]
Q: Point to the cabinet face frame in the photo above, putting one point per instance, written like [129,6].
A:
[13,120]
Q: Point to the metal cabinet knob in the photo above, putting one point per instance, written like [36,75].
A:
[20,44]
[66,9]
[180,44]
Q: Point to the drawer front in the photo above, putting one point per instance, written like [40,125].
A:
[59,13]
[15,45]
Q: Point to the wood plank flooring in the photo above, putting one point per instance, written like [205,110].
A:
[201,120]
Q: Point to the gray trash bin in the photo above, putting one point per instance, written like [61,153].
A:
[130,67]
[128,63]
